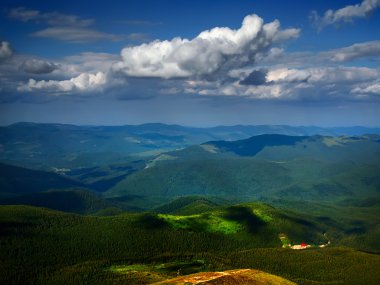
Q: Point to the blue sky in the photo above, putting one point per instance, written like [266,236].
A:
[198,63]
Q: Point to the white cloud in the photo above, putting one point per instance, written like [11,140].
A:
[5,50]
[288,75]
[53,18]
[75,34]
[87,62]
[38,66]
[83,82]
[355,51]
[63,27]
[346,14]
[351,75]
[212,52]
[63,75]
[261,92]
[373,88]
[323,75]
[322,83]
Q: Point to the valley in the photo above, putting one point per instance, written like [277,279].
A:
[273,207]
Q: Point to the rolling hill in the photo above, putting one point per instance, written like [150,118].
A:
[268,166]
[139,212]
[236,277]
[79,201]
[16,181]
[59,146]
[44,246]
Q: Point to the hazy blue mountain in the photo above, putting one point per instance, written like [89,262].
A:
[50,146]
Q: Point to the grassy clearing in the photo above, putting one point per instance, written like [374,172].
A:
[239,276]
[265,217]
[209,222]
[126,269]
[163,270]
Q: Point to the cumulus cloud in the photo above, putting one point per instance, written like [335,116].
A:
[83,82]
[355,51]
[346,14]
[342,74]
[317,83]
[37,66]
[212,52]
[5,50]
[63,27]
[373,88]
[288,75]
[324,75]
[87,62]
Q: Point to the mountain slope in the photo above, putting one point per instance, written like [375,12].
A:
[40,245]
[190,205]
[71,200]
[253,145]
[236,277]
[18,180]
[268,166]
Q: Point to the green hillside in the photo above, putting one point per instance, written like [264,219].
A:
[18,180]
[237,277]
[69,200]
[190,205]
[319,168]
[253,145]
[151,218]
[40,246]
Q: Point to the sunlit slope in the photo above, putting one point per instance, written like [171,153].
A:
[233,277]
[40,245]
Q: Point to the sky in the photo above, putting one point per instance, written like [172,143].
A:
[194,63]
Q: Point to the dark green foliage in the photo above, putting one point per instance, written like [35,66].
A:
[17,180]
[70,200]
[246,216]
[347,223]
[237,177]
[190,205]
[40,246]
[150,222]
[110,211]
[105,184]
[102,178]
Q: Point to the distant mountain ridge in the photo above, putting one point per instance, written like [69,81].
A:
[45,146]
